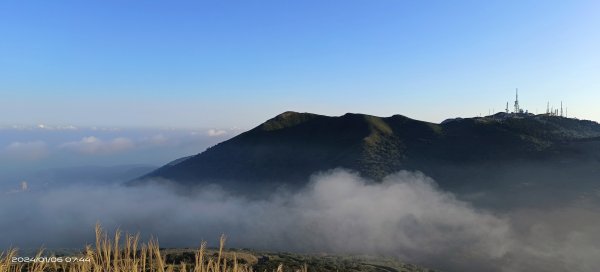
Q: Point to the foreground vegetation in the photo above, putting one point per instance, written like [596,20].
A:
[128,255]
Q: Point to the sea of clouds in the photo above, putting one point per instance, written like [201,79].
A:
[406,216]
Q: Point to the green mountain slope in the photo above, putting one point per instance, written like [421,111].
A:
[458,153]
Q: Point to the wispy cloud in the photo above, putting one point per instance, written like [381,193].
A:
[216,132]
[157,139]
[27,150]
[40,127]
[47,127]
[94,145]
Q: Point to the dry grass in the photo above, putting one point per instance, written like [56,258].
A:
[127,254]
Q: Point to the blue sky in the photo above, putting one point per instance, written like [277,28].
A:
[237,63]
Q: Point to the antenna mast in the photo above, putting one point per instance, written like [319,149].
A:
[561,109]
[517,108]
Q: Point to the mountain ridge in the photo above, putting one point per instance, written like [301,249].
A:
[290,147]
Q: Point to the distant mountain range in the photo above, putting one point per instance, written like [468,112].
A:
[502,151]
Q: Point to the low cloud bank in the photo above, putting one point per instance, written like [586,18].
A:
[93,145]
[32,150]
[338,212]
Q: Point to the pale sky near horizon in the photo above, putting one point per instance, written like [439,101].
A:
[237,63]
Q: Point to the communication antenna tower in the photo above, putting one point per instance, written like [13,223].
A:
[517,108]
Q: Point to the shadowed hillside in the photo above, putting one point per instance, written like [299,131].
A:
[495,152]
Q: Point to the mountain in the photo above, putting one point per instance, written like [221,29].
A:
[467,154]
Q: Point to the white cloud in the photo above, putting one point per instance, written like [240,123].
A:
[47,127]
[40,127]
[93,145]
[216,132]
[158,139]
[27,150]
[338,212]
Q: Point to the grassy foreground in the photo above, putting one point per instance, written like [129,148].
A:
[127,254]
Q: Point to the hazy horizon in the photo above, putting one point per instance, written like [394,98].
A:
[73,126]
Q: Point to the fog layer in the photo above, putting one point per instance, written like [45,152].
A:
[406,216]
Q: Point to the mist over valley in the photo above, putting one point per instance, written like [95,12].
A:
[476,194]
